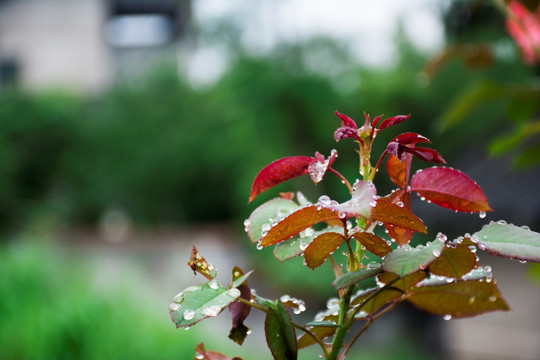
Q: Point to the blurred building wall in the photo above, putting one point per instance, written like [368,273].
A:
[83,45]
[55,43]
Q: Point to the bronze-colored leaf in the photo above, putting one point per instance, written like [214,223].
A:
[296,222]
[406,282]
[321,247]
[373,243]
[320,331]
[459,299]
[198,264]
[453,262]
[393,214]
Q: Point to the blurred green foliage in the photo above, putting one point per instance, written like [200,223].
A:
[165,152]
[50,309]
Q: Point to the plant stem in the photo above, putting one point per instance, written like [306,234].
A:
[366,326]
[343,323]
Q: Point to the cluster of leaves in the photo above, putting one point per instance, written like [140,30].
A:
[442,277]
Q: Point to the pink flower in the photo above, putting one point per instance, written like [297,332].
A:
[524,27]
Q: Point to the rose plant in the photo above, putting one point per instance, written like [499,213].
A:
[443,277]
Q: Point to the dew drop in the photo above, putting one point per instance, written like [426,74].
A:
[179,298]
[482,214]
[213,285]
[399,203]
[211,311]
[186,327]
[492,298]
[523,261]
[471,299]
[199,357]
[233,293]
[447,317]
[189,314]
[259,246]
[173,307]
[436,253]
[285,298]
[247,224]
[248,332]
[236,274]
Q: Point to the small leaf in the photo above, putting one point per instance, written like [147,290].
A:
[265,214]
[321,247]
[198,264]
[211,355]
[321,332]
[345,132]
[393,121]
[453,262]
[398,170]
[410,138]
[318,167]
[296,222]
[425,154]
[200,302]
[458,299]
[296,245]
[510,241]
[353,277]
[240,311]
[450,188]
[373,243]
[346,121]
[393,214]
[280,335]
[405,260]
[279,171]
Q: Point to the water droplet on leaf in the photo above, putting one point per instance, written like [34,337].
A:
[189,314]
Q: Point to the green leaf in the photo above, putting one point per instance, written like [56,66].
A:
[241,278]
[263,216]
[458,299]
[352,278]
[321,247]
[453,262]
[406,260]
[508,240]
[280,335]
[200,302]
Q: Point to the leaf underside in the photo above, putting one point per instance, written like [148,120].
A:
[406,260]
[459,299]
[510,241]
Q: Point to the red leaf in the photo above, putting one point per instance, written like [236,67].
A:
[346,121]
[453,262]
[392,214]
[239,311]
[279,171]
[321,247]
[346,132]
[296,222]
[425,154]
[400,235]
[211,355]
[451,189]
[393,121]
[410,138]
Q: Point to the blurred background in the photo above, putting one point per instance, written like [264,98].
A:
[131,130]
